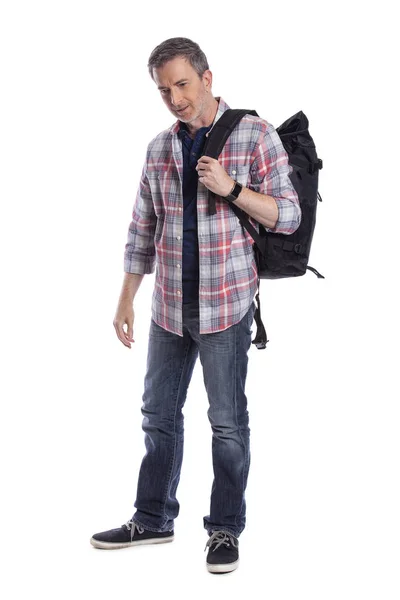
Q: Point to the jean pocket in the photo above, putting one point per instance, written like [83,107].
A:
[158,332]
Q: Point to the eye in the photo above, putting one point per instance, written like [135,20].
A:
[182,84]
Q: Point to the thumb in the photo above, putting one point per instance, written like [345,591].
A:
[130,333]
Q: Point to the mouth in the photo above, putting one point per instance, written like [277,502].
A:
[182,109]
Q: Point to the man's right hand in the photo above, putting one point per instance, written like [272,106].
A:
[124,316]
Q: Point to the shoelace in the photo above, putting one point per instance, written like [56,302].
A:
[221,537]
[131,526]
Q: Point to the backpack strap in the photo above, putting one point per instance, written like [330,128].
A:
[260,339]
[216,140]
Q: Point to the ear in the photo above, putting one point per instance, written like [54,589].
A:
[207,78]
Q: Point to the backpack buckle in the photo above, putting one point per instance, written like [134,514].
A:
[312,167]
[297,248]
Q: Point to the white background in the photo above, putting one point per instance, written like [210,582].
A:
[78,108]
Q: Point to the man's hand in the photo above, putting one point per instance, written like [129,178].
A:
[213,176]
[125,315]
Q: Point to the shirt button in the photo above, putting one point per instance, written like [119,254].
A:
[178,237]
[180,208]
[233,172]
[178,265]
[178,292]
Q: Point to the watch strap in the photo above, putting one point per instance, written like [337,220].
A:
[234,193]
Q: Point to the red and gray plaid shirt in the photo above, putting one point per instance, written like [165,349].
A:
[255,157]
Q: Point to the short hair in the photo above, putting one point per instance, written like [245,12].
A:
[178,46]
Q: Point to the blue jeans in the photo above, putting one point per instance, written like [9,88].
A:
[170,363]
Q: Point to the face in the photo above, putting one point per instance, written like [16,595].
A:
[181,88]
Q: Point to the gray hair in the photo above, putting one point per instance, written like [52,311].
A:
[178,46]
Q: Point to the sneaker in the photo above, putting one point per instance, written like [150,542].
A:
[129,534]
[223,555]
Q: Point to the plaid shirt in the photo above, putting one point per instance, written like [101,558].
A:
[255,157]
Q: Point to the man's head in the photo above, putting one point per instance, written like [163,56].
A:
[179,68]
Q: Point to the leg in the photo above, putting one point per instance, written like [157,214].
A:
[170,363]
[224,359]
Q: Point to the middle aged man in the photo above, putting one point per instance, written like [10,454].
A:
[203,299]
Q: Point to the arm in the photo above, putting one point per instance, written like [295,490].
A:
[139,256]
[261,207]
[130,286]
[271,198]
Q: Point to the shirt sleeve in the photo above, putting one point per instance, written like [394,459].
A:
[139,255]
[269,173]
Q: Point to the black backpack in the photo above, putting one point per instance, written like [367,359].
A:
[277,255]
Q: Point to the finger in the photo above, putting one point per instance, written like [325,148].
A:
[129,334]
[205,160]
[121,334]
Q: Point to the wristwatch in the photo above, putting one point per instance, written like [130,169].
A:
[234,193]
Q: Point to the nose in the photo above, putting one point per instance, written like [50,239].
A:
[175,98]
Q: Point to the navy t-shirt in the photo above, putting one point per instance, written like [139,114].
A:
[192,150]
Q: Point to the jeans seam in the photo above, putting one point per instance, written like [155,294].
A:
[237,425]
[175,435]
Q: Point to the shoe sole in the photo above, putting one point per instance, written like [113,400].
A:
[227,568]
[116,545]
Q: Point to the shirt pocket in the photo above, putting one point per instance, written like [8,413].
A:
[157,174]
[156,183]
[162,171]
[239,173]
[168,180]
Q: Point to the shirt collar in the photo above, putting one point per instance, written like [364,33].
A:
[184,131]
[222,107]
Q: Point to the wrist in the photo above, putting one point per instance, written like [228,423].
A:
[235,192]
[232,188]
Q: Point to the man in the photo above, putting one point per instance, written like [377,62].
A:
[206,280]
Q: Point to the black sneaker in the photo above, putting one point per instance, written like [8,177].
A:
[129,534]
[223,555]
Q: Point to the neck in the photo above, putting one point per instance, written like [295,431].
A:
[206,120]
